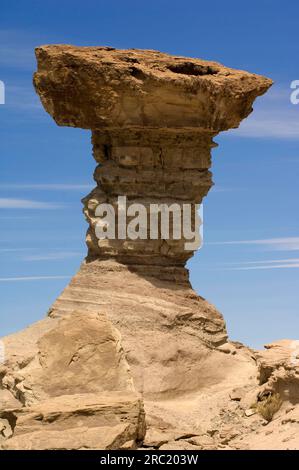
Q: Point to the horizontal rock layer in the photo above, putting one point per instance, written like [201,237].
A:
[167,331]
[151,168]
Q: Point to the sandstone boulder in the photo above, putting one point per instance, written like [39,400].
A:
[79,421]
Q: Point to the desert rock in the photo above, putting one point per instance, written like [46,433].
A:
[79,421]
[153,118]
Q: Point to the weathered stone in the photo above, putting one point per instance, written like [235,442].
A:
[179,445]
[249,412]
[7,400]
[153,118]
[228,433]
[205,441]
[96,87]
[237,394]
[278,368]
[81,353]
[5,428]
[129,445]
[79,421]
[156,438]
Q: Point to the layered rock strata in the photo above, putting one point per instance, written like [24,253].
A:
[153,118]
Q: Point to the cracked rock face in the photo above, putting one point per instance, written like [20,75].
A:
[129,321]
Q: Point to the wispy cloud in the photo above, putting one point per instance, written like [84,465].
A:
[265,266]
[7,203]
[22,98]
[16,49]
[271,261]
[31,278]
[47,187]
[17,56]
[287,263]
[280,244]
[274,124]
[55,256]
[17,53]
[14,217]
[222,189]
[12,250]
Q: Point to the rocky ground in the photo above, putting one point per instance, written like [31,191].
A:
[227,415]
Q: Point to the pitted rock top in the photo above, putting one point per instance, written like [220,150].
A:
[102,87]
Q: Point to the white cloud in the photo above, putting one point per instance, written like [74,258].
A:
[31,278]
[274,124]
[22,97]
[281,244]
[10,250]
[47,187]
[266,266]
[17,49]
[7,203]
[55,256]
[14,217]
[17,56]
[219,189]
[272,261]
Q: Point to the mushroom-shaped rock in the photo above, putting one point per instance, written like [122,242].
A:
[153,117]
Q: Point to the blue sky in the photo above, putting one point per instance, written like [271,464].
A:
[248,266]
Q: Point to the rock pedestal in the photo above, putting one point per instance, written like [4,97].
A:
[153,118]
[129,319]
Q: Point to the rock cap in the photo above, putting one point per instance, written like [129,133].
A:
[103,87]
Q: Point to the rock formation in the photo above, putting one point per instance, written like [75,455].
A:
[129,322]
[153,118]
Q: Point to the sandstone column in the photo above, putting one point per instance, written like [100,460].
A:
[153,118]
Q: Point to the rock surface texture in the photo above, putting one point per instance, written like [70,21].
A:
[129,323]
